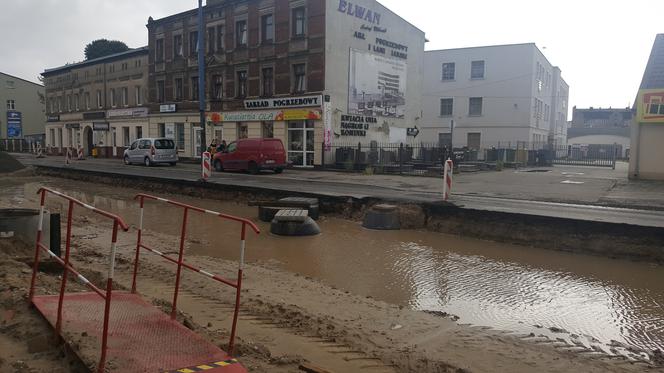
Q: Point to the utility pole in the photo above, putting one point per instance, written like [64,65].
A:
[201,76]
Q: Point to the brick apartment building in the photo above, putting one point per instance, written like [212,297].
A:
[309,72]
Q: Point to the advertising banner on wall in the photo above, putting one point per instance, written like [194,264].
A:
[376,85]
[14,124]
[260,116]
[650,108]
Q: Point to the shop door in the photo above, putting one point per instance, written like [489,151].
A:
[301,143]
[196,144]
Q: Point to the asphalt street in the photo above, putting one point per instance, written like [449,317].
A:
[389,188]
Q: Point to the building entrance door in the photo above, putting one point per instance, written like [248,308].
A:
[301,143]
[88,142]
[474,140]
[196,144]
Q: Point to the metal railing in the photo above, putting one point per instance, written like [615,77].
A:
[179,261]
[68,267]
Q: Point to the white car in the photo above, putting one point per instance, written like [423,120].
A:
[149,151]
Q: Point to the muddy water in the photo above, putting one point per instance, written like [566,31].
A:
[502,286]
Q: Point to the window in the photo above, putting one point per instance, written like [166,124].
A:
[139,132]
[217,87]
[77,102]
[51,133]
[124,66]
[241,33]
[298,21]
[477,70]
[179,135]
[125,136]
[112,97]
[99,103]
[446,107]
[125,96]
[241,84]
[137,95]
[267,28]
[159,50]
[267,129]
[137,63]
[87,100]
[161,129]
[11,105]
[268,81]
[210,40]
[193,43]
[475,106]
[51,105]
[242,130]
[69,102]
[111,69]
[160,91]
[194,88]
[177,89]
[177,46]
[9,84]
[220,38]
[299,78]
[61,101]
[448,71]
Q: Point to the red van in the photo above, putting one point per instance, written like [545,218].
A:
[252,155]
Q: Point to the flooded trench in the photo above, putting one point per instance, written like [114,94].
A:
[503,286]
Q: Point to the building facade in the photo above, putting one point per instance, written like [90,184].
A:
[99,103]
[21,109]
[601,118]
[495,96]
[647,131]
[306,72]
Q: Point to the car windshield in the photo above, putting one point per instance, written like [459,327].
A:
[164,144]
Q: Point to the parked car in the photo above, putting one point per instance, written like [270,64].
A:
[149,151]
[252,155]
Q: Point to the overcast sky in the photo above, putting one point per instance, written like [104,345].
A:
[601,46]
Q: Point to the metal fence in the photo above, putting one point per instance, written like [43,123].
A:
[426,159]
[15,145]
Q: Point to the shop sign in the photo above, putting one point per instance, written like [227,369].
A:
[72,125]
[95,115]
[167,108]
[284,102]
[132,113]
[356,125]
[650,106]
[14,124]
[259,116]
[358,11]
[100,126]
[52,118]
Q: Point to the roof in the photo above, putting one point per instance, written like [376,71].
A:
[653,77]
[482,46]
[110,57]
[25,80]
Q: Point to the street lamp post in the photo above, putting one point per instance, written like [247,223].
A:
[201,77]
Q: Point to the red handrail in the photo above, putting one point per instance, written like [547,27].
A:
[117,221]
[237,284]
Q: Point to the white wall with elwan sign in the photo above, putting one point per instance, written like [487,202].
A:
[372,55]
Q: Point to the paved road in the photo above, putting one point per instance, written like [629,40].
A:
[391,188]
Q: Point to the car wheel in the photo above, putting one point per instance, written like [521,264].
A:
[147,162]
[126,160]
[253,168]
[218,166]
[278,170]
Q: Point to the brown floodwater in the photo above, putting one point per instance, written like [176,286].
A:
[507,287]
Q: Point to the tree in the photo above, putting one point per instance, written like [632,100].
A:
[103,47]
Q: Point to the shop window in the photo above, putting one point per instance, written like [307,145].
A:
[125,136]
[161,129]
[179,135]
[267,129]
[139,132]
[242,130]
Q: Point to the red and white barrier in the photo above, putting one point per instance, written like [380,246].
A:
[80,154]
[447,179]
[207,167]
[68,156]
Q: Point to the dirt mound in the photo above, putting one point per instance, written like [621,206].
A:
[9,163]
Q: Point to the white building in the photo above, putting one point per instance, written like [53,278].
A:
[500,95]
